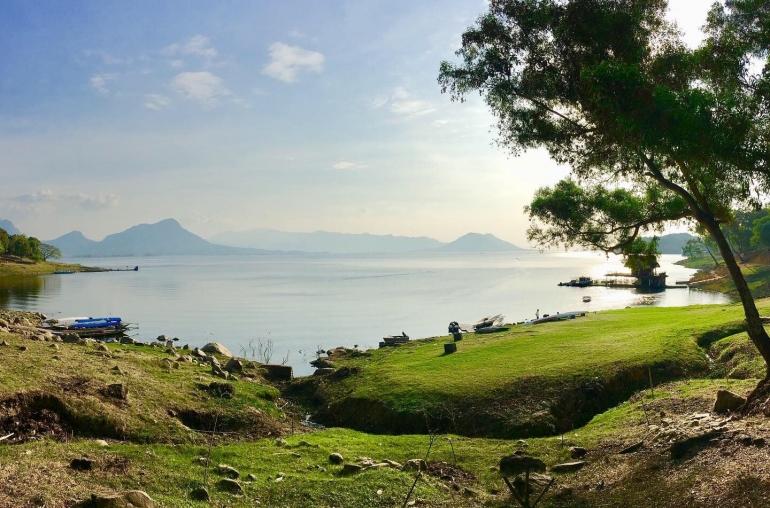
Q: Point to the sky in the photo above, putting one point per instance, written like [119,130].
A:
[233,115]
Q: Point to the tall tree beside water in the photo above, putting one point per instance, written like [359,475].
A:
[652,130]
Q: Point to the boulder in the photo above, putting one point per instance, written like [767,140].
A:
[216,347]
[234,365]
[577,452]
[127,340]
[336,458]
[727,401]
[323,371]
[198,353]
[130,499]
[72,338]
[82,464]
[185,359]
[230,485]
[4,343]
[4,323]
[322,363]
[161,338]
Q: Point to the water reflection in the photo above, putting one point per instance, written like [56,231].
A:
[18,292]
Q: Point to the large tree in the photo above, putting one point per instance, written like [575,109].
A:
[652,130]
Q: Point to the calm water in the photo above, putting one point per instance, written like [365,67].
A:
[303,302]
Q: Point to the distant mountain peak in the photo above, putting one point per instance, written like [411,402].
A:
[479,242]
[9,227]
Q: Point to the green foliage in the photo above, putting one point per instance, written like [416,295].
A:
[761,232]
[5,240]
[49,251]
[641,255]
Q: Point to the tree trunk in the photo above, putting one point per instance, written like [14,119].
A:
[754,326]
[716,263]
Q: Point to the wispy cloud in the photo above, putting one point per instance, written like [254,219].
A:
[99,82]
[286,61]
[44,201]
[198,45]
[403,103]
[156,102]
[347,165]
[203,87]
[176,64]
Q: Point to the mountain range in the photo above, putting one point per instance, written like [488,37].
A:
[168,237]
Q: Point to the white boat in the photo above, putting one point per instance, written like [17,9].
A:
[586,298]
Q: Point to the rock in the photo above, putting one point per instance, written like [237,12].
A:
[336,458]
[203,461]
[161,338]
[577,452]
[537,482]
[4,323]
[680,448]
[22,348]
[200,494]
[157,344]
[230,485]
[234,365]
[226,470]
[117,370]
[351,469]
[198,353]
[632,448]
[102,347]
[727,401]
[393,464]
[4,343]
[251,477]
[279,441]
[415,465]
[324,371]
[758,442]
[515,464]
[102,443]
[72,338]
[186,346]
[216,347]
[117,391]
[127,340]
[224,390]
[82,464]
[322,363]
[217,371]
[469,492]
[185,359]
[568,467]
[745,439]
[130,499]
[278,372]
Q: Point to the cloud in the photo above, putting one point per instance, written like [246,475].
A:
[44,201]
[286,61]
[203,87]
[99,82]
[107,58]
[176,64]
[156,102]
[198,45]
[347,165]
[402,103]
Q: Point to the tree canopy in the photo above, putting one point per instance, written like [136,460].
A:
[652,130]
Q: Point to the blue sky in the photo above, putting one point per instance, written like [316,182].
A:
[233,115]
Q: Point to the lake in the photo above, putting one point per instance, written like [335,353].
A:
[303,302]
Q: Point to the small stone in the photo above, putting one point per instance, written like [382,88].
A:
[102,443]
[577,452]
[745,439]
[102,347]
[4,343]
[223,390]
[759,442]
[512,465]
[117,391]
[203,461]
[234,365]
[22,348]
[279,441]
[336,458]
[251,477]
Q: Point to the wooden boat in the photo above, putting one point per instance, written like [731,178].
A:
[87,327]
[396,338]
[578,282]
[489,321]
[64,272]
[492,329]
[559,316]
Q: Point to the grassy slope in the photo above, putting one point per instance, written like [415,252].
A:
[612,348]
[169,473]
[79,374]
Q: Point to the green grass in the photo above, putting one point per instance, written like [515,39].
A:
[27,268]
[520,382]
